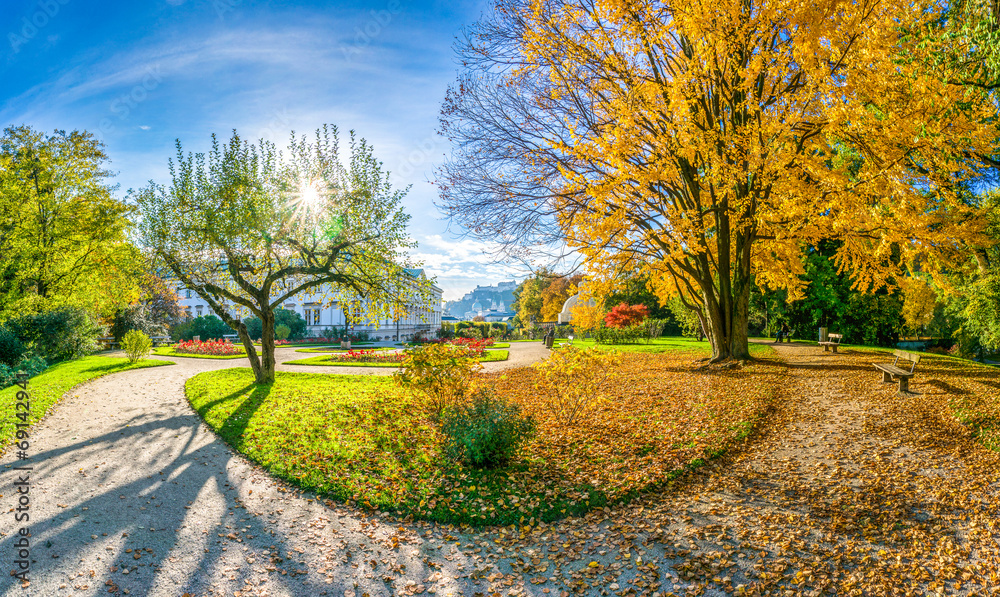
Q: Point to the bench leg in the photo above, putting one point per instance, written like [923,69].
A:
[826,348]
[834,348]
[904,384]
[886,378]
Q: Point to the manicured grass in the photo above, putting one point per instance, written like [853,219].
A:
[327,361]
[366,441]
[325,348]
[170,351]
[48,387]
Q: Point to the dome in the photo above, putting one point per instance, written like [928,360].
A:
[566,315]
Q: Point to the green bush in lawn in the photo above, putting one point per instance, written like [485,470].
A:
[11,349]
[486,432]
[282,332]
[60,334]
[136,344]
[32,365]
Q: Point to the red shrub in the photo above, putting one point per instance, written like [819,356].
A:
[625,316]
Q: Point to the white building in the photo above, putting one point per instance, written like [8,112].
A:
[422,318]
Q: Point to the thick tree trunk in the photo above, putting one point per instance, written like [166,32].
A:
[266,373]
[726,317]
[241,329]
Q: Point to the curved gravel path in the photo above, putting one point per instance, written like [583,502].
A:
[132,493]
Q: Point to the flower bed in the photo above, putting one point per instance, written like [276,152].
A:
[219,348]
[368,356]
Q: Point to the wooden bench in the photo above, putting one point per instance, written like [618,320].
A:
[160,340]
[834,342]
[108,342]
[891,371]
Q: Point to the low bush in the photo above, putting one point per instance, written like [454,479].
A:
[281,332]
[32,365]
[441,373]
[486,432]
[62,334]
[11,349]
[572,380]
[136,345]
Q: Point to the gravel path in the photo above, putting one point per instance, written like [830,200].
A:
[128,479]
[132,494]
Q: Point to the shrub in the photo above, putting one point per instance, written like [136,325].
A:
[282,332]
[207,327]
[136,344]
[11,349]
[486,432]
[61,334]
[32,365]
[625,316]
[572,381]
[442,373]
[630,335]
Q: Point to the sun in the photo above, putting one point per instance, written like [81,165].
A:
[310,195]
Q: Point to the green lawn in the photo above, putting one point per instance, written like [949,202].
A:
[365,441]
[49,386]
[326,361]
[170,351]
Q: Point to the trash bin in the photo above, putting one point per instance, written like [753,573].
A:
[823,337]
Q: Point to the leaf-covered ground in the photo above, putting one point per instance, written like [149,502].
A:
[853,489]
[363,440]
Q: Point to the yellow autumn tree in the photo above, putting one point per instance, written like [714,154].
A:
[919,300]
[706,145]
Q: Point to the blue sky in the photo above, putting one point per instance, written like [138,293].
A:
[140,74]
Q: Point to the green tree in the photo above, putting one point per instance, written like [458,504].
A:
[248,227]
[62,233]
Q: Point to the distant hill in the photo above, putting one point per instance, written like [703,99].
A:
[501,296]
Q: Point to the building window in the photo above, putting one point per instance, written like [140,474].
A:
[188,294]
[198,309]
[315,313]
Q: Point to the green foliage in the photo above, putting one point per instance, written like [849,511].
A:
[873,319]
[207,327]
[60,334]
[687,319]
[485,432]
[441,373]
[63,233]
[156,310]
[286,317]
[32,365]
[295,221]
[628,335]
[282,331]
[136,345]
[11,349]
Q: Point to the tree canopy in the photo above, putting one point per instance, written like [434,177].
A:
[706,145]
[62,232]
[248,227]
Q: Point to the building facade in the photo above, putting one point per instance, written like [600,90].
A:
[323,317]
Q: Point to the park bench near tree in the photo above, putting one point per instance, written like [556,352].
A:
[893,371]
[832,342]
[160,340]
[108,343]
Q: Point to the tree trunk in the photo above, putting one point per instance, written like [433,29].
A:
[241,329]
[726,318]
[265,375]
